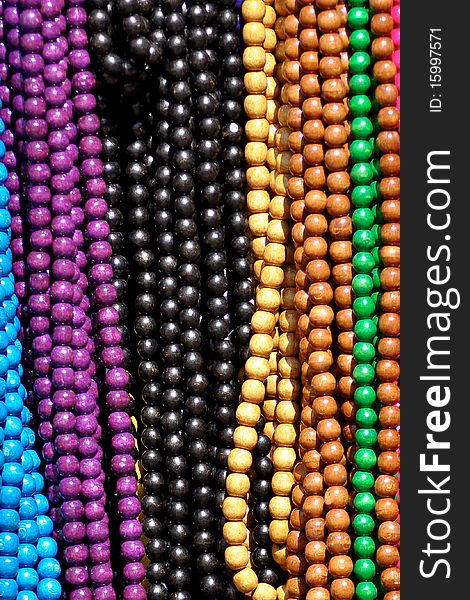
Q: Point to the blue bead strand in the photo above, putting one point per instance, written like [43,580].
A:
[29,569]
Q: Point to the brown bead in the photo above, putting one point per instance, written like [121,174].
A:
[389,439]
[313,506]
[390,256]
[338,205]
[388,117]
[294,120]
[333,90]
[335,474]
[341,228]
[298,495]
[324,384]
[334,113]
[381,24]
[390,165]
[382,47]
[315,247]
[329,20]
[389,532]
[291,25]
[384,71]
[326,4]
[308,438]
[387,556]
[336,159]
[337,520]
[391,578]
[318,593]
[325,407]
[386,94]
[316,575]
[309,61]
[313,131]
[388,463]
[340,566]
[312,108]
[308,16]
[342,589]
[308,39]
[388,393]
[313,483]
[296,565]
[386,509]
[315,552]
[336,496]
[315,177]
[296,587]
[312,460]
[321,315]
[296,541]
[296,141]
[313,154]
[328,430]
[292,48]
[338,182]
[393,595]
[320,339]
[381,5]
[344,319]
[338,542]
[389,324]
[386,486]
[330,44]
[330,66]
[346,340]
[390,301]
[331,452]
[296,188]
[298,518]
[388,141]
[389,416]
[388,370]
[310,85]
[298,211]
[315,529]
[335,135]
[320,292]
[315,202]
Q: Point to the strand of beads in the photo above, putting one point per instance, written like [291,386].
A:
[28,565]
[363,195]
[387,368]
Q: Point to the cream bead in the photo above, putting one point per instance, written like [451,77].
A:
[258,224]
[257,368]
[239,460]
[254,58]
[269,409]
[280,184]
[280,7]
[261,344]
[288,344]
[255,82]
[279,553]
[257,201]
[279,208]
[288,320]
[276,338]
[255,106]
[288,389]
[284,458]
[271,385]
[279,530]
[280,507]
[271,158]
[264,591]
[287,411]
[268,299]
[269,429]
[278,231]
[255,153]
[258,266]
[272,276]
[248,414]
[253,390]
[273,360]
[237,484]
[270,40]
[269,17]
[289,367]
[253,10]
[283,161]
[257,130]
[234,532]
[282,589]
[236,557]
[263,322]
[272,88]
[275,254]
[258,246]
[285,435]
[234,509]
[272,132]
[245,581]
[270,64]
[272,108]
[257,177]
[282,483]
[245,437]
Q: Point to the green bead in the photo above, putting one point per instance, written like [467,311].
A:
[365,459]
[360,105]
[362,196]
[360,63]
[362,284]
[379,214]
[363,481]
[364,374]
[364,307]
[365,396]
[359,39]
[364,352]
[364,546]
[363,262]
[363,239]
[376,277]
[360,83]
[364,569]
[364,502]
[366,437]
[376,229]
[363,524]
[366,417]
[360,150]
[361,128]
[366,590]
[358,17]
[375,165]
[358,2]
[362,174]
[376,254]
[365,330]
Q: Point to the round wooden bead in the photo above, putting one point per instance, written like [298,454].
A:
[245,580]
[248,414]
[234,509]
[279,530]
[282,483]
[240,460]
[280,507]
[257,368]
[264,591]
[234,532]
[237,484]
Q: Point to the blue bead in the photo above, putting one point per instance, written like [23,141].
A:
[28,508]
[3,172]
[12,334]
[3,316]
[13,450]
[25,415]
[17,324]
[2,457]
[9,520]
[8,566]
[10,496]
[4,341]
[4,241]
[49,589]
[28,439]
[3,411]
[8,589]
[5,218]
[38,481]
[4,196]
[27,555]
[28,486]
[10,308]
[27,579]
[13,381]
[27,461]
[4,365]
[22,392]
[12,474]
[49,567]
[42,504]
[45,525]
[2,149]
[35,457]
[47,547]
[28,532]
[9,543]
[13,425]
[13,403]
[27,595]
[13,354]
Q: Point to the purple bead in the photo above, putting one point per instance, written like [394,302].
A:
[134,571]
[64,422]
[74,532]
[77,576]
[88,447]
[105,592]
[77,554]
[129,508]
[101,574]
[86,425]
[135,592]
[73,510]
[133,550]
[100,553]
[67,465]
[95,511]
[90,468]
[119,422]
[126,486]
[67,443]
[81,594]
[130,530]
[70,488]
[64,399]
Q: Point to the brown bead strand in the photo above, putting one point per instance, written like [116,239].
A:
[388,368]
